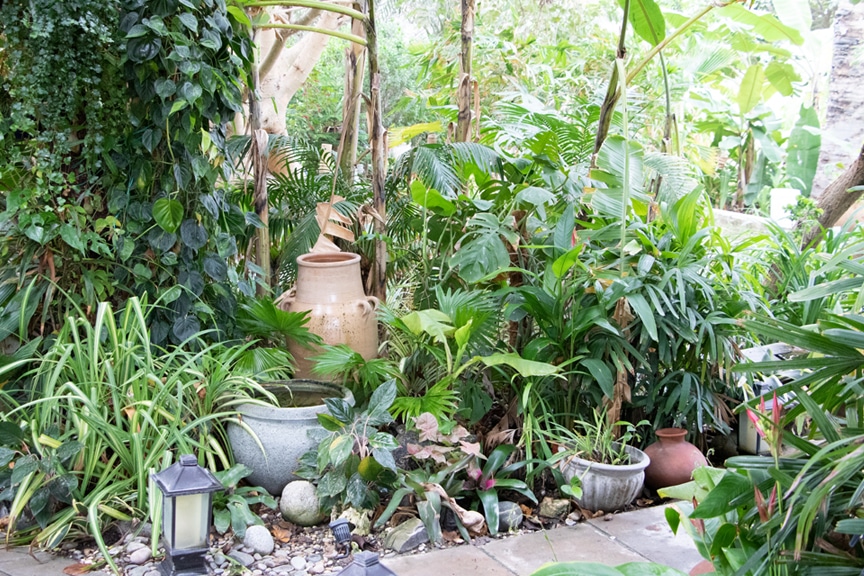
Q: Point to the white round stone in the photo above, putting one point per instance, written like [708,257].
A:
[299,503]
[259,539]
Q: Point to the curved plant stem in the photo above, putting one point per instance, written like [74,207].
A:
[334,33]
[330,7]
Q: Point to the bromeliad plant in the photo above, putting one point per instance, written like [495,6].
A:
[486,481]
[449,469]
[800,512]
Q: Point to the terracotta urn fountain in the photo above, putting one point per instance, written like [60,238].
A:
[673,459]
[330,287]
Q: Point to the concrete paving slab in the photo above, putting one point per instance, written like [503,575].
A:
[18,562]
[582,543]
[647,532]
[456,561]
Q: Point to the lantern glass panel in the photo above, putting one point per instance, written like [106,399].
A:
[168,520]
[191,522]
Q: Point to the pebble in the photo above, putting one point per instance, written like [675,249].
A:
[242,557]
[140,556]
[304,552]
[138,571]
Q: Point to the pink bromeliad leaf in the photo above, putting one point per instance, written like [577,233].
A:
[755,419]
[487,484]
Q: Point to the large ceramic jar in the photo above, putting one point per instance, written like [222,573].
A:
[330,287]
[281,434]
[673,459]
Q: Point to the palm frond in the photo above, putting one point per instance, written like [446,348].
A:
[432,165]
[261,318]
[675,173]
[271,363]
[479,309]
[480,156]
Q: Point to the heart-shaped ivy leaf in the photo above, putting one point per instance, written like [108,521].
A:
[168,214]
[193,234]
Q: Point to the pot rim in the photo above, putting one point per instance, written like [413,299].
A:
[328,259]
[671,433]
[271,412]
[642,462]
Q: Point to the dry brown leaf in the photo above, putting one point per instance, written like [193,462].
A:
[451,536]
[473,521]
[281,534]
[76,569]
[337,225]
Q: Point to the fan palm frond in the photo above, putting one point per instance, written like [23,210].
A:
[264,363]
[676,175]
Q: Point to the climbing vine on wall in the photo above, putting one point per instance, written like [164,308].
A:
[113,157]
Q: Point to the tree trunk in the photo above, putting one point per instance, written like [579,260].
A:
[354,72]
[279,37]
[379,161]
[259,167]
[286,70]
[463,94]
[843,131]
[837,198]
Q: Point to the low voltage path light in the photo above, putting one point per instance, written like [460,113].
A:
[342,534]
[187,501]
[366,564]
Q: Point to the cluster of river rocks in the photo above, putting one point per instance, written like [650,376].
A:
[283,546]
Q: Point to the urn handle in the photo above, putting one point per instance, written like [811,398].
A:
[368,305]
[285,301]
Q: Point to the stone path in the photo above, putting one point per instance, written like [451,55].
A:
[637,536]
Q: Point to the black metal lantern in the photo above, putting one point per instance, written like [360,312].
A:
[366,564]
[187,502]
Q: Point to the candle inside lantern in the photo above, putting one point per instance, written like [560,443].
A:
[190,521]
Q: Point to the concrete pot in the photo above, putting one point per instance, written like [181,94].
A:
[606,487]
[284,433]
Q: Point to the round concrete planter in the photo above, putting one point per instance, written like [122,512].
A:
[284,433]
[606,487]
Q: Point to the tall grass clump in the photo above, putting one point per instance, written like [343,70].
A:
[100,409]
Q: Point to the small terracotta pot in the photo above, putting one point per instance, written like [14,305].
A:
[703,567]
[329,286]
[673,459]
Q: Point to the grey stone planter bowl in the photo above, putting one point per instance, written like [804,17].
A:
[283,432]
[606,487]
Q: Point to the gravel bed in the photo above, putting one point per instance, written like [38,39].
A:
[297,551]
